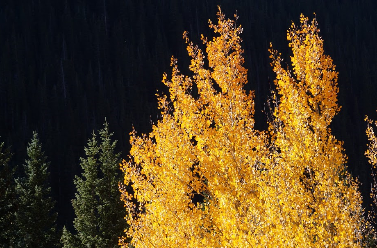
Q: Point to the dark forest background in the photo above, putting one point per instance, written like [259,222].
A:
[67,65]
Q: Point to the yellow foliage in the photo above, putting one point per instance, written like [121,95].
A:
[371,153]
[324,199]
[286,188]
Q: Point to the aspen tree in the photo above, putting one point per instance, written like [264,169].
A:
[284,188]
[203,145]
[320,201]
[371,153]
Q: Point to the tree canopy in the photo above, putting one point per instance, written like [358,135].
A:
[205,177]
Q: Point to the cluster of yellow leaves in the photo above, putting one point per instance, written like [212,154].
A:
[324,199]
[371,153]
[284,188]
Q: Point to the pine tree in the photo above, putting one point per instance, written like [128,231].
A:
[35,218]
[111,209]
[85,203]
[68,240]
[7,197]
[99,211]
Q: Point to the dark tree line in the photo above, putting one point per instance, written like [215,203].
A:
[66,65]
[27,211]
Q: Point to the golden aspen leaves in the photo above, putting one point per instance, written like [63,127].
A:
[204,177]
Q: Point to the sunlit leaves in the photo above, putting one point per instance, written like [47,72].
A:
[195,176]
[326,199]
[204,177]
[371,154]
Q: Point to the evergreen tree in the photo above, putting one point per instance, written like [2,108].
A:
[111,209]
[99,211]
[7,197]
[68,240]
[35,219]
[85,202]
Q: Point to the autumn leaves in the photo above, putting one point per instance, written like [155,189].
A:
[285,187]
